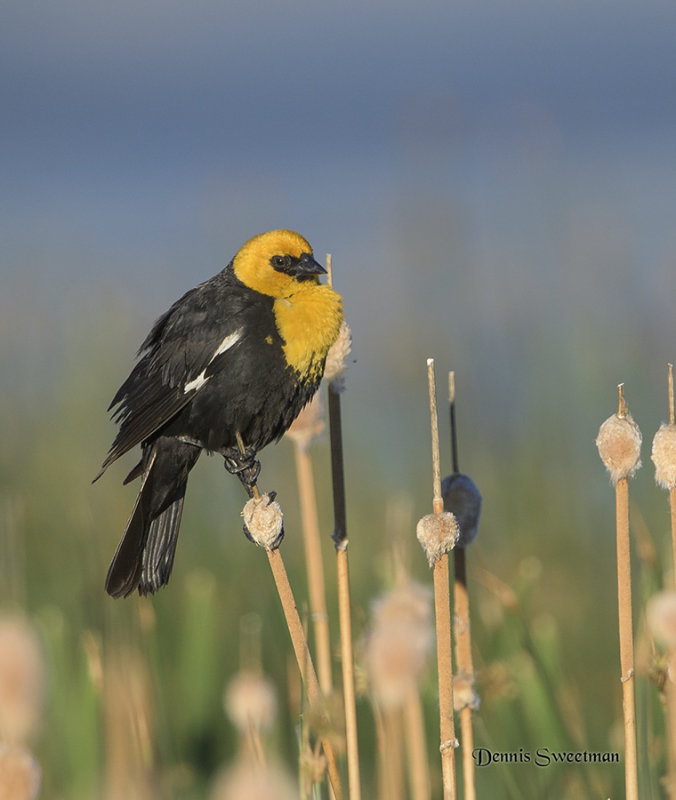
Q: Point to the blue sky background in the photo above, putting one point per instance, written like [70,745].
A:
[496,183]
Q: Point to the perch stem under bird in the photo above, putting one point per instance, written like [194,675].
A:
[237,357]
[263,524]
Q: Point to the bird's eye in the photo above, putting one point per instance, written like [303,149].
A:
[280,262]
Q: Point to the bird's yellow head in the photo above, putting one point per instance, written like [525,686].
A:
[308,314]
[276,262]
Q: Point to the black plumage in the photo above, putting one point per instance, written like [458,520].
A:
[235,356]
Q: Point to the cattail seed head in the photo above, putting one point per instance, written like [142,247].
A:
[462,499]
[22,680]
[464,694]
[264,521]
[335,360]
[309,424]
[437,534]
[398,643]
[664,456]
[619,445]
[250,702]
[19,774]
[248,780]
[661,617]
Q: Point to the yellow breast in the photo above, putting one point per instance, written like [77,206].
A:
[308,320]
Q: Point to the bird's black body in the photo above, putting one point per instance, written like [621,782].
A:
[212,368]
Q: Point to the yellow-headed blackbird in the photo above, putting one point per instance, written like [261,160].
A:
[238,355]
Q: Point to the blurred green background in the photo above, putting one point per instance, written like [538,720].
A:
[497,186]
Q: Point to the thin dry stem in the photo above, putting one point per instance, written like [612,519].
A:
[451,411]
[343,577]
[352,743]
[442,611]
[303,658]
[672,508]
[300,647]
[670,693]
[448,741]
[621,405]
[329,270]
[437,501]
[672,491]
[343,582]
[392,774]
[314,566]
[416,749]
[463,636]
[626,637]
[463,644]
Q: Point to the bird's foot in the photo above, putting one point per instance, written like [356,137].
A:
[244,464]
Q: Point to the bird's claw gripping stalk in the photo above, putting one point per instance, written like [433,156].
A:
[244,464]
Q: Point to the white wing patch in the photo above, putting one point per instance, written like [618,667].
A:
[227,343]
[196,383]
[230,341]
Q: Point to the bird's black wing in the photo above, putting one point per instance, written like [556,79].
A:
[184,347]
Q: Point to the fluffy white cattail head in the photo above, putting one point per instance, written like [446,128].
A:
[250,702]
[22,680]
[309,424]
[664,456]
[337,355]
[264,521]
[437,534]
[619,445]
[661,616]
[19,774]
[248,780]
[464,693]
[398,643]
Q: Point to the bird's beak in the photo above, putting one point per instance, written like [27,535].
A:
[307,266]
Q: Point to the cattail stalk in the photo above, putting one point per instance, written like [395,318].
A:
[393,784]
[303,657]
[661,619]
[416,752]
[619,446]
[463,644]
[314,565]
[298,641]
[672,490]
[340,540]
[463,637]
[664,459]
[626,636]
[442,611]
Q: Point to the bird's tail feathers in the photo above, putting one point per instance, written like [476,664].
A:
[158,555]
[125,568]
[145,555]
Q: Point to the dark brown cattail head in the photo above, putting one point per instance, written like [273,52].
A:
[462,499]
